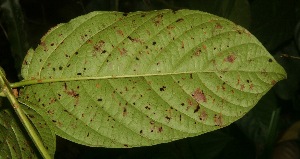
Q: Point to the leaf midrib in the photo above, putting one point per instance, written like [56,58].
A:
[42,81]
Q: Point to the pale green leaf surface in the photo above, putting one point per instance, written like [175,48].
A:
[120,80]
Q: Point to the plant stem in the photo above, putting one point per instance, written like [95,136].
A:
[4,85]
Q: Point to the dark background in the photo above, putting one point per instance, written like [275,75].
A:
[262,133]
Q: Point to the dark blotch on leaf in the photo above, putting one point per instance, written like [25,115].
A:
[60,68]
[168,118]
[53,69]
[179,20]
[231,58]
[76,53]
[130,38]
[163,88]
[199,95]
[270,60]
[100,100]
[141,131]
[78,74]
[182,104]
[153,43]
[197,109]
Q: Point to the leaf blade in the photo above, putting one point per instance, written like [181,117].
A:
[145,78]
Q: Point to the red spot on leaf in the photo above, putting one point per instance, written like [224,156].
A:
[197,52]
[218,26]
[43,44]
[98,47]
[72,93]
[170,27]
[218,120]
[52,100]
[158,19]
[97,85]
[199,96]
[90,41]
[120,32]
[124,111]
[273,82]
[203,115]
[160,129]
[230,58]
[251,86]
[122,51]
[242,87]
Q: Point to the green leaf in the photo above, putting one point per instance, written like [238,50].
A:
[43,129]
[15,143]
[122,80]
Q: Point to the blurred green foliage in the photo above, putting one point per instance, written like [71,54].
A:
[273,22]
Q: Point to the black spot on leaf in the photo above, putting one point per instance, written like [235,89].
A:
[179,20]
[163,88]
[197,109]
[168,118]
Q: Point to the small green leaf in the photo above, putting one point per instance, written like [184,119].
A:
[136,79]
[43,129]
[13,142]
